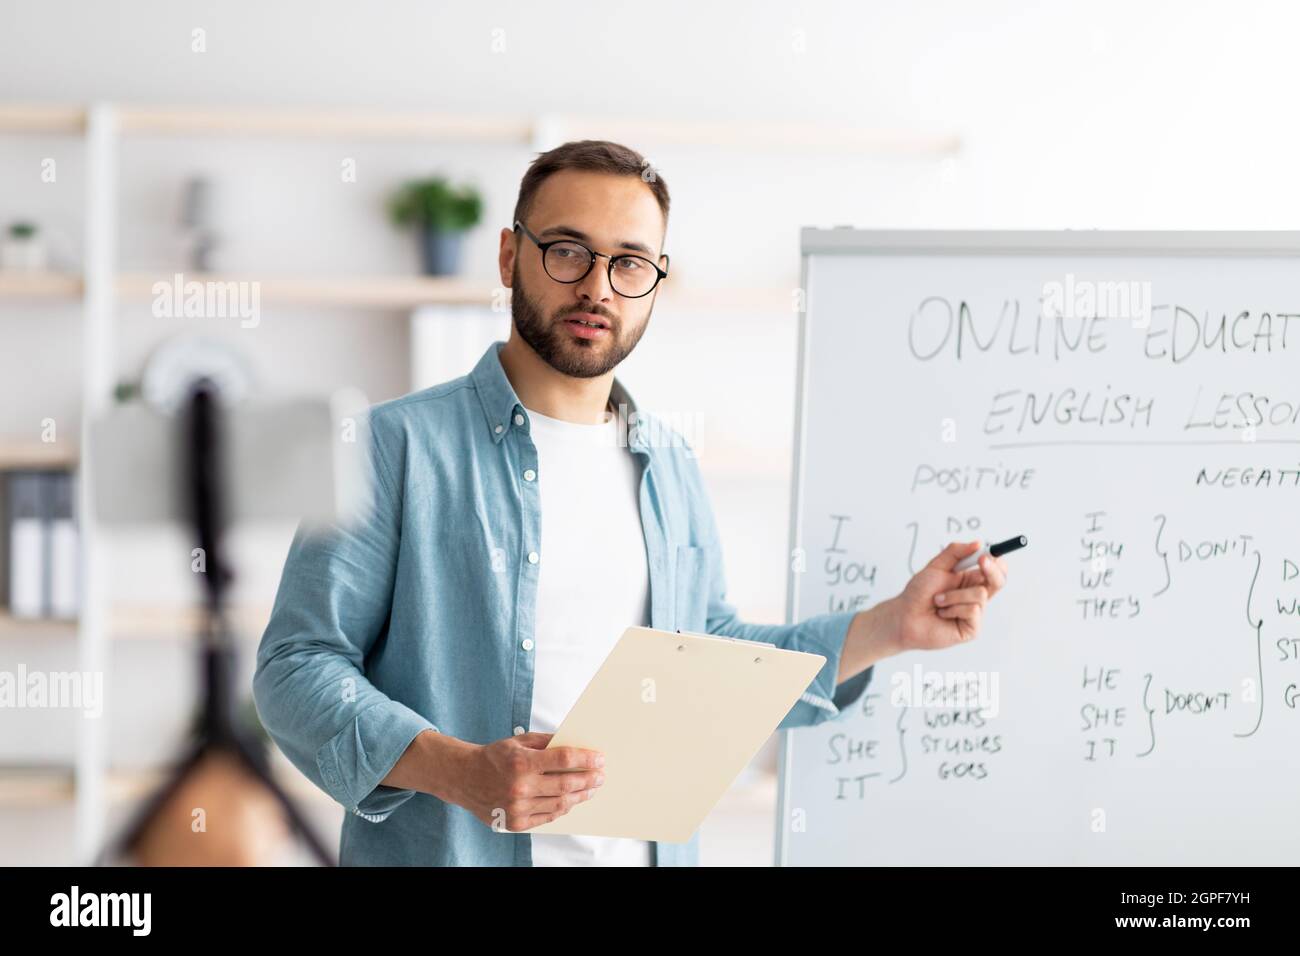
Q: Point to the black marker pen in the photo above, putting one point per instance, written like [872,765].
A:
[996,550]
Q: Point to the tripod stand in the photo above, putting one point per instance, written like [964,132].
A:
[219,732]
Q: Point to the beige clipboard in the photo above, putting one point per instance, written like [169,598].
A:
[677,716]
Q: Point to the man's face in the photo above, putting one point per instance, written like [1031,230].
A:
[610,214]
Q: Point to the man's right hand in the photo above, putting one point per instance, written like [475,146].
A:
[517,784]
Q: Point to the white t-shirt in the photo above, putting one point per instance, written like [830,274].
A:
[593,583]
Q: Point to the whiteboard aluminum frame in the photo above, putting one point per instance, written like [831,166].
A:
[845,240]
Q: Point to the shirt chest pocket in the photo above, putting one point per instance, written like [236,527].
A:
[691,588]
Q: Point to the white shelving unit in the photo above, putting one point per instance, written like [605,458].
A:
[101,287]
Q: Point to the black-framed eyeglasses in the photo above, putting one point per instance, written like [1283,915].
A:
[569,261]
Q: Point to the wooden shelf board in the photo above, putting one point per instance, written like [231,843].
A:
[39,285]
[327,124]
[42,627]
[411,292]
[41,118]
[774,136]
[378,292]
[55,455]
[129,623]
[526,131]
[141,622]
[384,292]
[137,784]
[511,130]
[22,786]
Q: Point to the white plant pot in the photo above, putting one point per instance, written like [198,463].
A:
[23,255]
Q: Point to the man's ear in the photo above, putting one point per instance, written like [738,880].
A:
[506,256]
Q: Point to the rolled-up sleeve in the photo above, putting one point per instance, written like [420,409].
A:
[310,688]
[822,634]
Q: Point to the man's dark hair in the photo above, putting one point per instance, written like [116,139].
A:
[592,155]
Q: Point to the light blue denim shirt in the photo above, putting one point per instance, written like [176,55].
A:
[421,617]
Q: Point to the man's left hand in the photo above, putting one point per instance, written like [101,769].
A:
[940,607]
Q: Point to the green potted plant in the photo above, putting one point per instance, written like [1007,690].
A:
[441,214]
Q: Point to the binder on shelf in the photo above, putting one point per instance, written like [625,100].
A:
[64,584]
[28,535]
[41,561]
[4,543]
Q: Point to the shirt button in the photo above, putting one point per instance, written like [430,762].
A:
[532,557]
[519,419]
[518,731]
[529,475]
[499,429]
[528,643]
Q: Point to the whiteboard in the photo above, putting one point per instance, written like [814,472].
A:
[1132,697]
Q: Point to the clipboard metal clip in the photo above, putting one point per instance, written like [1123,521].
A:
[733,640]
